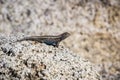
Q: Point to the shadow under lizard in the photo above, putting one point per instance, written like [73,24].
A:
[48,39]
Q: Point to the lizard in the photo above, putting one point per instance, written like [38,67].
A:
[47,39]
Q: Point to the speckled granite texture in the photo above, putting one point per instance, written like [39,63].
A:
[94,25]
[34,61]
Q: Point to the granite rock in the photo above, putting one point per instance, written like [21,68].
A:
[28,60]
[94,25]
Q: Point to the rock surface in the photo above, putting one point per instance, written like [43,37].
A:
[35,61]
[94,25]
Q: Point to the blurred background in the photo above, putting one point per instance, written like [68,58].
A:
[94,26]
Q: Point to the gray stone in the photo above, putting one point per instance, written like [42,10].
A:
[36,61]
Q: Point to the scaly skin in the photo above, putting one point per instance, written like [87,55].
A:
[48,39]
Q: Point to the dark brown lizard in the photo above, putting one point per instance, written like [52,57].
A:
[48,39]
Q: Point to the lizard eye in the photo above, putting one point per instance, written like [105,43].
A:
[66,34]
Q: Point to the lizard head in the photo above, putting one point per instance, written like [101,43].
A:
[64,35]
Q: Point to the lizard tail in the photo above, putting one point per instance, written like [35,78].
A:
[24,39]
[30,39]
